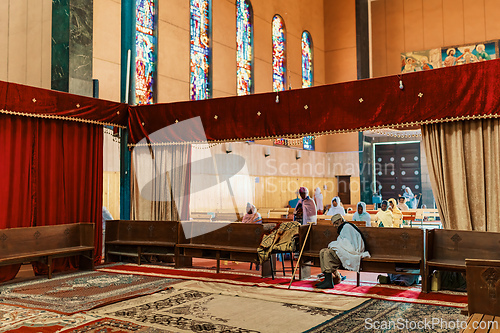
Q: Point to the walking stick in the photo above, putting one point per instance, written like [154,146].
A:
[300,255]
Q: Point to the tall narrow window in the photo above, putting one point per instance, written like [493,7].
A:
[200,81]
[244,47]
[307,60]
[145,46]
[279,58]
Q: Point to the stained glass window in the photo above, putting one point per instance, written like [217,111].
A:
[308,142]
[244,47]
[145,46]
[279,67]
[200,85]
[307,60]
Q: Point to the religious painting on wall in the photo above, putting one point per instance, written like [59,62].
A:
[448,56]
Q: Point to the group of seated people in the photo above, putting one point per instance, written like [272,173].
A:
[389,215]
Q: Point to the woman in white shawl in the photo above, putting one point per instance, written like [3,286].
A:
[347,251]
[305,211]
[336,207]
[251,216]
[411,201]
[318,197]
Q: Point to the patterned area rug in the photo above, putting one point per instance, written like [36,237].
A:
[80,291]
[108,325]
[347,288]
[22,320]
[385,316]
[184,310]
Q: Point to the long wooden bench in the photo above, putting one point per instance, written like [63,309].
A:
[140,238]
[231,241]
[392,250]
[447,249]
[45,243]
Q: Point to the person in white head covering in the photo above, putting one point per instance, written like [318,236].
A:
[336,207]
[252,216]
[361,214]
[411,200]
[305,211]
[318,197]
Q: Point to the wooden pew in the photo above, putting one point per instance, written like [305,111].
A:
[137,238]
[43,244]
[231,241]
[392,250]
[447,249]
[483,291]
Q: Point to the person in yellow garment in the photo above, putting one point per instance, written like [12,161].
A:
[397,216]
[384,215]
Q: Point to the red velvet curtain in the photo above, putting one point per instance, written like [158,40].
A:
[51,173]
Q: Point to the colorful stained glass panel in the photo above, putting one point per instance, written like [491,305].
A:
[307,60]
[200,85]
[308,142]
[279,69]
[145,45]
[244,47]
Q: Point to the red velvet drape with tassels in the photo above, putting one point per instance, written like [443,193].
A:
[50,173]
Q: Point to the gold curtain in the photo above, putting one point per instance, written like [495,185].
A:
[464,165]
[160,183]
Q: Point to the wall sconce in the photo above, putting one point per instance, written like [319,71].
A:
[267,152]
[298,156]
[229,148]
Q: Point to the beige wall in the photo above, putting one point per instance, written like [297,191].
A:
[25,42]
[271,181]
[412,25]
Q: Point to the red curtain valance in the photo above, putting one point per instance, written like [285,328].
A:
[17,99]
[452,93]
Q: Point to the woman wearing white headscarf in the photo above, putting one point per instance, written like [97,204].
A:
[410,198]
[361,214]
[336,207]
[318,197]
[306,208]
[251,216]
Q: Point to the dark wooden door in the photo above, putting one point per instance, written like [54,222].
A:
[344,189]
[397,166]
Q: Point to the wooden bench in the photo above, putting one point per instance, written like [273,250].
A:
[392,250]
[231,241]
[447,249]
[483,290]
[137,238]
[43,244]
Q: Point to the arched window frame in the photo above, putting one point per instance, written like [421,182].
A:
[276,85]
[305,76]
[203,43]
[241,89]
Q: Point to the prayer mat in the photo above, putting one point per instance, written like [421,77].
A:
[108,325]
[22,320]
[412,294]
[183,310]
[76,292]
[386,316]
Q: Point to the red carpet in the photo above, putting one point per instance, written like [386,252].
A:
[369,290]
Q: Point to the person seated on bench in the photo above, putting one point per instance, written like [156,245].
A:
[318,197]
[305,211]
[402,206]
[336,207]
[384,215]
[346,251]
[362,215]
[397,216]
[251,216]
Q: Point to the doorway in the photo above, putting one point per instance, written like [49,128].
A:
[344,189]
